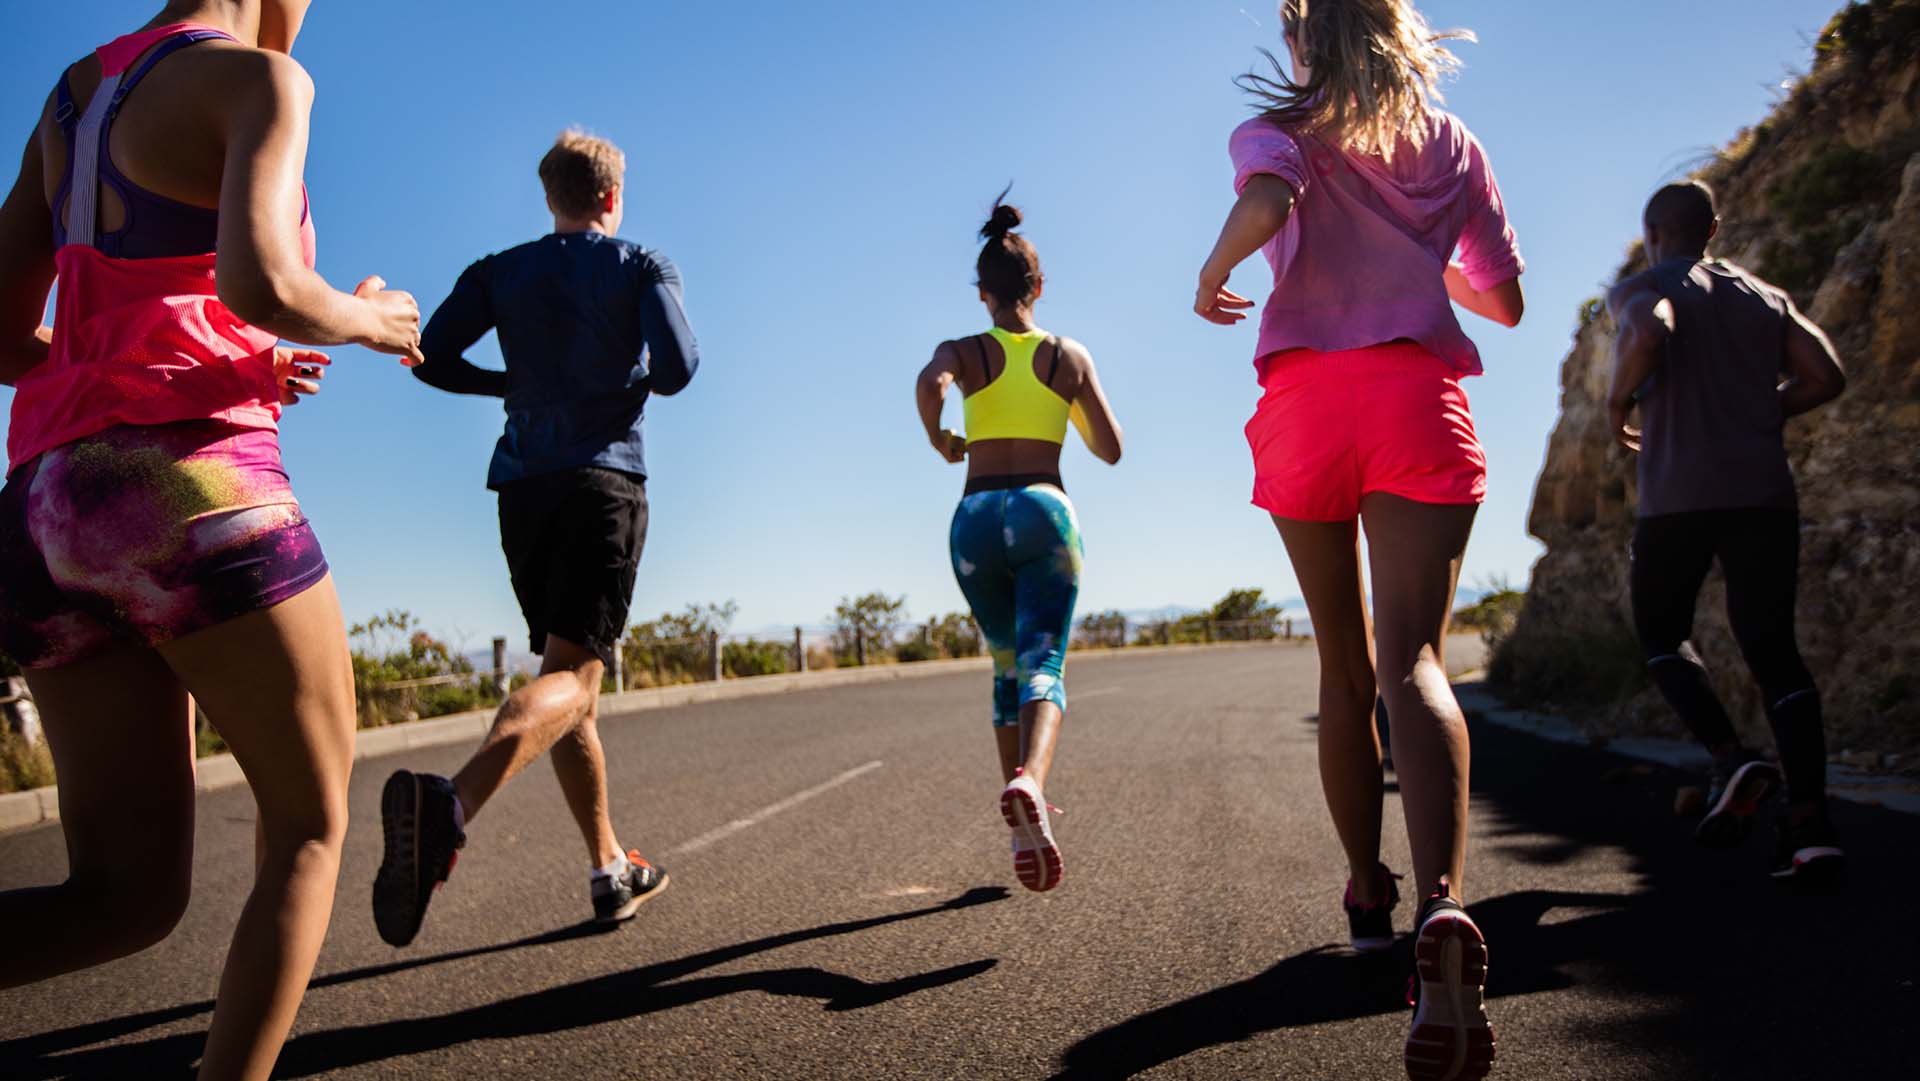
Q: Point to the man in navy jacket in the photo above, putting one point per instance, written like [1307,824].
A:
[590,327]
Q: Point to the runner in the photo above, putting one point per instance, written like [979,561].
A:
[1702,347]
[1015,541]
[1359,190]
[152,553]
[571,476]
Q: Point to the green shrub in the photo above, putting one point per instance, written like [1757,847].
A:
[1591,309]
[1598,665]
[23,766]
[915,649]
[866,623]
[1862,31]
[754,657]
[1493,616]
[391,649]
[1835,178]
[1103,630]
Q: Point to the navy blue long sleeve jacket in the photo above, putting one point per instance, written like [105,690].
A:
[590,326]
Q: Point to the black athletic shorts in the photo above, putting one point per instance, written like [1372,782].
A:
[573,541]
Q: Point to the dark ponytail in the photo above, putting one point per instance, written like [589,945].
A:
[1008,267]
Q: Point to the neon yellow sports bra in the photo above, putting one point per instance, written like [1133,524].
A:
[1017,405]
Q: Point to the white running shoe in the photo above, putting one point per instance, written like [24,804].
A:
[1036,859]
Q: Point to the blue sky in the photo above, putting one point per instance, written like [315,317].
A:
[818,171]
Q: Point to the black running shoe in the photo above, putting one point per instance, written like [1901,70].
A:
[1809,853]
[417,816]
[1737,791]
[616,899]
[1451,1038]
[1370,927]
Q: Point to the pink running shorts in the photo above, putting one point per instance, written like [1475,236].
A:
[1333,427]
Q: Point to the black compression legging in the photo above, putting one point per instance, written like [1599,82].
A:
[1759,554]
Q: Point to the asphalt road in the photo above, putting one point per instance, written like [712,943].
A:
[843,906]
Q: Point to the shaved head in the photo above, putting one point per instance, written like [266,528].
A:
[1680,219]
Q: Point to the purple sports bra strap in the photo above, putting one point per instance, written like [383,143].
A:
[158,53]
[64,114]
[89,141]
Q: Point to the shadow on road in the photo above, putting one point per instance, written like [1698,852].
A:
[614,997]
[1707,969]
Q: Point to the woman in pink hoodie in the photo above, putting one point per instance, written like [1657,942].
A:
[1360,191]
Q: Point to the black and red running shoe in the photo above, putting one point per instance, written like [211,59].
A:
[1370,927]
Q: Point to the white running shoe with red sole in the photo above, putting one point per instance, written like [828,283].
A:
[1451,1038]
[1036,859]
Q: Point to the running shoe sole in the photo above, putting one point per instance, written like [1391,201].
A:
[625,912]
[1036,859]
[1451,1039]
[401,890]
[1729,820]
[1815,865]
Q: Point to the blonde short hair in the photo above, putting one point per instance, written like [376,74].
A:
[579,171]
[1376,68]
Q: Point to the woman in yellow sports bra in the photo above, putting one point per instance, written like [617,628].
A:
[1015,541]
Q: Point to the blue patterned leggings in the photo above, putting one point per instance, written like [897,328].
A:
[1017,554]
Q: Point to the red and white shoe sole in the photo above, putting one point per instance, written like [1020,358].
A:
[1451,1039]
[1036,859]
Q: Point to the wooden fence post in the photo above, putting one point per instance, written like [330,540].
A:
[713,646]
[620,664]
[500,666]
[860,646]
[21,715]
[799,652]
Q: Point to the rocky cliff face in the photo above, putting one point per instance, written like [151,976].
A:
[1823,198]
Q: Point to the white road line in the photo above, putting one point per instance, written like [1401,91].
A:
[771,809]
[1081,696]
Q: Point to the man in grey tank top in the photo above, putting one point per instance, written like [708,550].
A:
[1717,361]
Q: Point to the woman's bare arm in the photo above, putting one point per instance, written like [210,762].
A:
[1504,303]
[26,268]
[1091,413]
[261,273]
[1263,207]
[930,396]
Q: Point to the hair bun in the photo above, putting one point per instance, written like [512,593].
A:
[1005,220]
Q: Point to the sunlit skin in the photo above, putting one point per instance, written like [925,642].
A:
[219,125]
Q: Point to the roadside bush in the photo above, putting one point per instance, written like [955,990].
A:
[1493,615]
[915,649]
[23,766]
[675,647]
[866,622]
[1596,666]
[955,635]
[392,648]
[754,657]
[1102,630]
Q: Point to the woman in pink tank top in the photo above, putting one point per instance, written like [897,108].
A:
[152,553]
[1360,190]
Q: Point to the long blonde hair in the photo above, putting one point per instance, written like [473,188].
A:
[1375,72]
